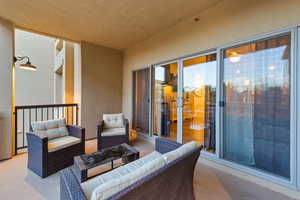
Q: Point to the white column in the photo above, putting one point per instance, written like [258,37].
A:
[6,87]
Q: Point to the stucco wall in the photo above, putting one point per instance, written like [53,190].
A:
[6,86]
[77,77]
[101,84]
[68,72]
[34,87]
[229,21]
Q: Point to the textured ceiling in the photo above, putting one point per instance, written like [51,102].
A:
[113,23]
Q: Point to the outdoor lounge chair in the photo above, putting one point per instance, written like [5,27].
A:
[112,130]
[52,145]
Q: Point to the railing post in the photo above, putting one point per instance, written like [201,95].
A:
[16,130]
[77,108]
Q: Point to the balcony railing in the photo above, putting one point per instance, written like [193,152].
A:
[25,115]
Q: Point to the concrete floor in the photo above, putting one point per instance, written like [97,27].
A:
[16,182]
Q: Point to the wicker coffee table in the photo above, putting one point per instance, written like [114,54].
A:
[85,162]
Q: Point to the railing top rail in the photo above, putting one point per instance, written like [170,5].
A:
[45,106]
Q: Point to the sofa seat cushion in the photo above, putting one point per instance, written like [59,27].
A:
[62,142]
[113,186]
[173,155]
[113,120]
[51,128]
[117,173]
[90,185]
[113,132]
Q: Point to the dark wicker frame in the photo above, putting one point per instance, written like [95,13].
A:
[173,181]
[45,163]
[109,141]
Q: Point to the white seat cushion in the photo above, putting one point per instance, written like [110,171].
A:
[113,120]
[51,128]
[61,143]
[93,183]
[113,132]
[113,186]
[173,155]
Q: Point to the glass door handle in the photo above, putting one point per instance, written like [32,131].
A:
[222,103]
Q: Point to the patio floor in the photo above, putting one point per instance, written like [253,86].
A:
[17,182]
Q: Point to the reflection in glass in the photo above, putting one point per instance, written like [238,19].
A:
[257,109]
[199,95]
[140,118]
[165,101]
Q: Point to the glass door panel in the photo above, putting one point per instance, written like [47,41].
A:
[257,105]
[164,100]
[199,100]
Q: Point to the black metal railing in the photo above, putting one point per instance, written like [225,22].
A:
[25,115]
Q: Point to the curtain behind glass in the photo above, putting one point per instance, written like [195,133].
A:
[257,111]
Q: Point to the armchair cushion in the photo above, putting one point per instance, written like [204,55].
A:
[62,142]
[113,120]
[51,128]
[113,131]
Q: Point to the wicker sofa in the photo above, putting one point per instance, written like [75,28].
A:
[52,145]
[112,130]
[172,180]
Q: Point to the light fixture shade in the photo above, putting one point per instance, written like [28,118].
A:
[235,57]
[28,66]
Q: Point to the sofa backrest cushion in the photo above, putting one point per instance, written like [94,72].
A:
[89,185]
[113,120]
[51,128]
[110,188]
[173,155]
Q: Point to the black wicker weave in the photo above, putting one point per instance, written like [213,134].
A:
[45,163]
[109,141]
[173,181]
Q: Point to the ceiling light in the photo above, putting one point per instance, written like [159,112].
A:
[234,57]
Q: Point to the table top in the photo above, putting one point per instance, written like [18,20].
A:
[91,160]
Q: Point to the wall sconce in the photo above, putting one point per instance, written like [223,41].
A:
[27,65]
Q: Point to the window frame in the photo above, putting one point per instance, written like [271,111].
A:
[292,182]
[206,154]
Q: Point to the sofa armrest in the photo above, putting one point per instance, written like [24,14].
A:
[37,153]
[76,131]
[37,138]
[69,186]
[100,128]
[164,145]
[126,125]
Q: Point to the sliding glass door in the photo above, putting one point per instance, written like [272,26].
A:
[164,100]
[256,114]
[199,100]
[236,103]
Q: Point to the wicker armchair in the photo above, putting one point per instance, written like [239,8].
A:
[47,156]
[110,134]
